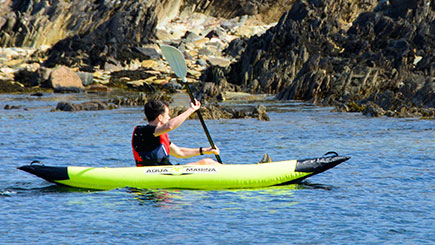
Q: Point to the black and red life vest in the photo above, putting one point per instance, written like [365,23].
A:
[149,150]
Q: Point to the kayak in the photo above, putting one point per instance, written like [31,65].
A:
[225,176]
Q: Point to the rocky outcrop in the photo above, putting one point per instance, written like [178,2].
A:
[311,55]
[93,33]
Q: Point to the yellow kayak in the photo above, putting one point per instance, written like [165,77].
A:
[225,176]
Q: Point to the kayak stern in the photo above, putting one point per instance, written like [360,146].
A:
[48,173]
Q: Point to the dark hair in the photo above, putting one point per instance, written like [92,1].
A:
[154,108]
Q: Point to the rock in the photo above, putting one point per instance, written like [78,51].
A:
[86,77]
[37,94]
[87,106]
[97,88]
[191,36]
[65,106]
[12,107]
[373,110]
[30,79]
[201,62]
[260,113]
[9,86]
[27,78]
[216,61]
[428,113]
[146,53]
[235,48]
[62,79]
[425,97]
[172,87]
[163,35]
[207,51]
[152,64]
[355,107]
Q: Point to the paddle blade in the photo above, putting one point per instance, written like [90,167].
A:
[175,59]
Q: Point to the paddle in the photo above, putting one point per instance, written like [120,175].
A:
[176,60]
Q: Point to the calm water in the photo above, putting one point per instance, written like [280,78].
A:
[384,194]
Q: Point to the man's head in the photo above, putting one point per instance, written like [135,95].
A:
[154,108]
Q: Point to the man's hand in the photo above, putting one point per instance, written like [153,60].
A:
[209,150]
[195,105]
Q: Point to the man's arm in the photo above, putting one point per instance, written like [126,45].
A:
[184,152]
[175,122]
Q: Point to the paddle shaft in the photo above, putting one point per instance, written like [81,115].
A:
[218,158]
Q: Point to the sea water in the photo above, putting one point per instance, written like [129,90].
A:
[383,194]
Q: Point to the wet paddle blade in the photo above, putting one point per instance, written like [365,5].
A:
[175,59]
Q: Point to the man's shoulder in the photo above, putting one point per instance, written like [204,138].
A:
[145,128]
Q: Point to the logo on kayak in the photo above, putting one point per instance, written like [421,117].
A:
[180,170]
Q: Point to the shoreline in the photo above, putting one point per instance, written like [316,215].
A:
[238,54]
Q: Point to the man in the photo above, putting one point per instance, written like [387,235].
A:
[151,145]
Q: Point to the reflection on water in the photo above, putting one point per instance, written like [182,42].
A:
[145,196]
[178,198]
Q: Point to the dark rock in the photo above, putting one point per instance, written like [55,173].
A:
[212,34]
[260,113]
[12,107]
[146,53]
[65,106]
[67,90]
[37,94]
[236,48]
[173,86]
[86,106]
[7,86]
[119,78]
[428,113]
[27,78]
[425,97]
[213,82]
[373,110]
[190,36]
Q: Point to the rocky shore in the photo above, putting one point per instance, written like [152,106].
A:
[373,57]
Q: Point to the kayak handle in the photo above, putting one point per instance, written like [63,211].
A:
[36,162]
[331,152]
